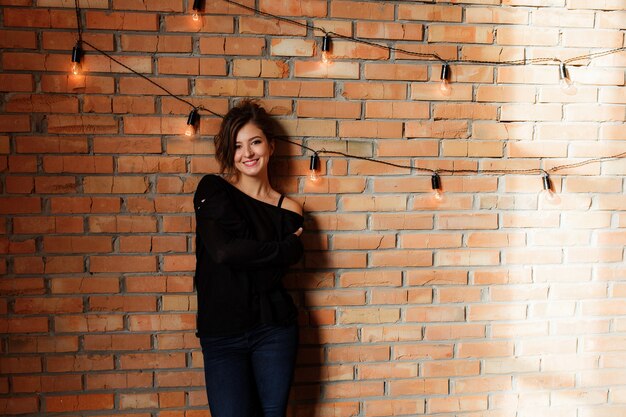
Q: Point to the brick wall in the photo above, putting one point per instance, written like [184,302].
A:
[493,302]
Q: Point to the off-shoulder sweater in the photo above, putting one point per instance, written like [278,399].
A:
[243,249]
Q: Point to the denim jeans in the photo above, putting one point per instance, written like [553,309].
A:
[249,375]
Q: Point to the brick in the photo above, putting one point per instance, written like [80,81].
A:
[505,94]
[497,15]
[377,110]
[79,402]
[529,112]
[342,70]
[151,43]
[461,34]
[430,13]
[374,91]
[592,38]
[311,8]
[379,408]
[465,111]
[527,36]
[496,312]
[328,109]
[301,89]
[40,18]
[121,21]
[406,31]
[378,71]
[361,10]
[256,25]
[14,123]
[21,405]
[370,129]
[420,52]
[452,404]
[291,47]
[16,82]
[260,68]
[437,129]
[16,39]
[467,257]
[611,19]
[492,53]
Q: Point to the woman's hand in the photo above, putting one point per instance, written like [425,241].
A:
[298,232]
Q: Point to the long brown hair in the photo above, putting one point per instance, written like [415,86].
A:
[237,117]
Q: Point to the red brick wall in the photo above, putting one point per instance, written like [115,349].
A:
[493,303]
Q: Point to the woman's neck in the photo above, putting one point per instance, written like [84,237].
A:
[258,188]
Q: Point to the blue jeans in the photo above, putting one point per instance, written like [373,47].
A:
[249,375]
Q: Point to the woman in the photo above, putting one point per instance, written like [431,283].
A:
[247,234]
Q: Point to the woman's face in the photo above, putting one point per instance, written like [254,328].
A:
[252,151]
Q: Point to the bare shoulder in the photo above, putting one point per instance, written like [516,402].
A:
[292,205]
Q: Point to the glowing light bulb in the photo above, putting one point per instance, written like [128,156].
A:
[326,55]
[437,194]
[314,167]
[192,122]
[566,83]
[77,53]
[190,131]
[444,86]
[76,68]
[197,7]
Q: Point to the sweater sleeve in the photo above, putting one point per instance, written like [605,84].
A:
[226,237]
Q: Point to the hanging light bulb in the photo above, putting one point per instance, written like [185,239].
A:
[197,7]
[548,191]
[326,44]
[444,86]
[566,83]
[314,168]
[77,53]
[192,122]
[435,182]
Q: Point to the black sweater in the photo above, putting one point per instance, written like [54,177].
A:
[243,248]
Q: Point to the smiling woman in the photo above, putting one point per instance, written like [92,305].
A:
[247,235]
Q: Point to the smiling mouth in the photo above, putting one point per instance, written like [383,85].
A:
[251,163]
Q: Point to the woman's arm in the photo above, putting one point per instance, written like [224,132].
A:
[225,237]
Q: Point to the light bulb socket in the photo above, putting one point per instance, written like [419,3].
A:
[193,118]
[198,5]
[445,72]
[315,163]
[326,43]
[547,184]
[77,52]
[563,74]
[435,181]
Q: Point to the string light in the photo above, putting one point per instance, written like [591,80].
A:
[192,122]
[314,167]
[565,81]
[77,53]
[197,8]
[326,44]
[435,182]
[444,86]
